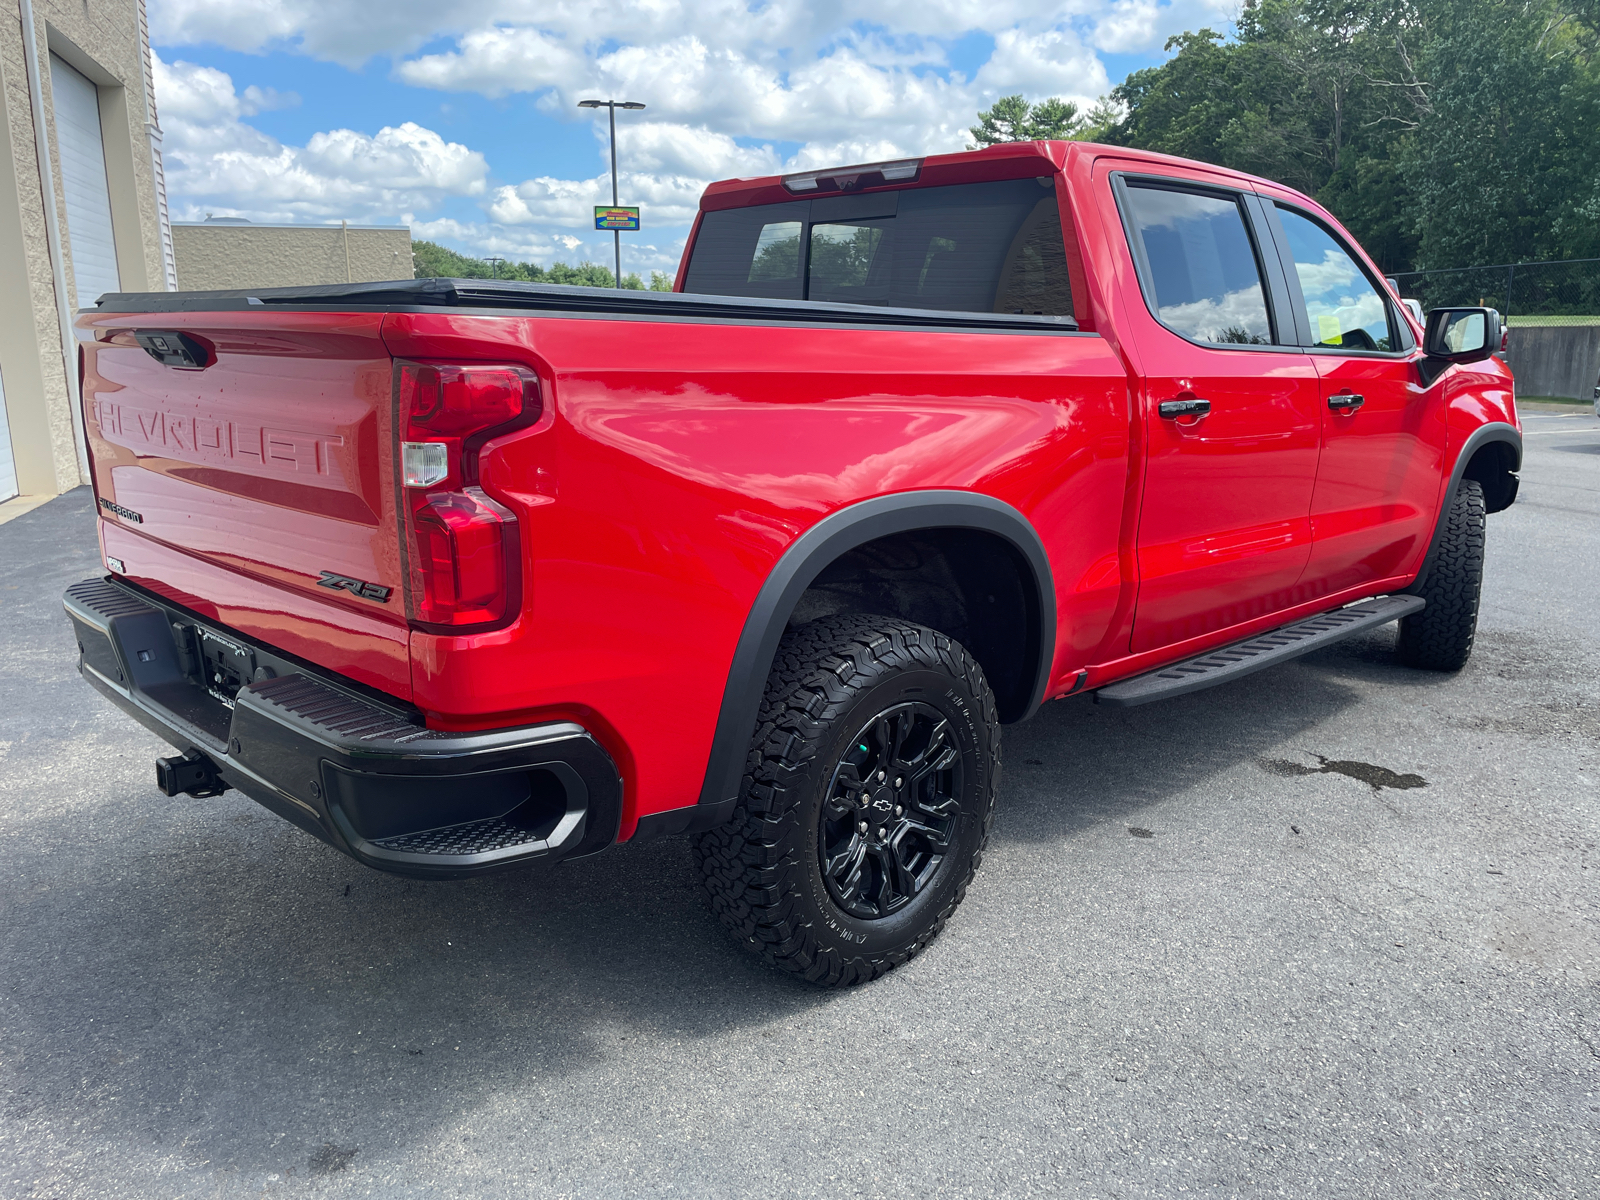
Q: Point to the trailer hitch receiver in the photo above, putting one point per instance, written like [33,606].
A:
[191,774]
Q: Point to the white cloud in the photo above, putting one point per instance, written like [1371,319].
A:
[1129,26]
[1051,63]
[496,61]
[1142,26]
[215,162]
[727,83]
[352,31]
[670,166]
[259,99]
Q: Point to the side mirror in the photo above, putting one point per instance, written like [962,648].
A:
[1462,335]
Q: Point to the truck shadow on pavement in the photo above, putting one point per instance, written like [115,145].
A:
[1077,764]
[200,974]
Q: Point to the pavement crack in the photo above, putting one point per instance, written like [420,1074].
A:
[1588,1045]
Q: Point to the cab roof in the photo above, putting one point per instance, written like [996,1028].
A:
[1007,160]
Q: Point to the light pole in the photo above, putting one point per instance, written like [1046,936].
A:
[613,105]
[494,265]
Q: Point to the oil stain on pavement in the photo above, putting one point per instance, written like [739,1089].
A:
[1377,777]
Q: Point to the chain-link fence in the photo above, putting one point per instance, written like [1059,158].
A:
[1552,310]
[1566,292]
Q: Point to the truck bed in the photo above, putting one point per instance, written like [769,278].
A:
[514,296]
[685,441]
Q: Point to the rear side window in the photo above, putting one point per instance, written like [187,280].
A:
[976,247]
[1342,305]
[750,252]
[1202,265]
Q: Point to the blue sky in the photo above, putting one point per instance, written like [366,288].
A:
[460,118]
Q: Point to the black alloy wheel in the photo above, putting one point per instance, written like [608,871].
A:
[867,799]
[891,811]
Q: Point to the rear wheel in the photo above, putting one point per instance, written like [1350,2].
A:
[1440,637]
[868,796]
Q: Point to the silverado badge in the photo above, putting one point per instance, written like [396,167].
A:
[127,514]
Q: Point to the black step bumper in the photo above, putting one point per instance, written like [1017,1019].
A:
[365,776]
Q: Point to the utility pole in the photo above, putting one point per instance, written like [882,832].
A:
[613,105]
[494,265]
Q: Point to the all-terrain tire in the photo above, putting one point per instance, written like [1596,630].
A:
[1439,638]
[763,872]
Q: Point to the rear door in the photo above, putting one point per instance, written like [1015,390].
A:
[1383,433]
[244,467]
[1231,409]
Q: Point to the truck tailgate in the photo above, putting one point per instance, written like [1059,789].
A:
[244,466]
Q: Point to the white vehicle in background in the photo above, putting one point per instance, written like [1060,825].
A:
[1414,307]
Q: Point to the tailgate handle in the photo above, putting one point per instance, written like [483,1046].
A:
[1192,407]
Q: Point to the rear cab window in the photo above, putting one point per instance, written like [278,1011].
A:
[993,247]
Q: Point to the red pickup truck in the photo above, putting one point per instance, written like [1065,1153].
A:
[463,574]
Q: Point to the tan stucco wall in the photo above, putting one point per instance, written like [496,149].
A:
[246,256]
[101,38]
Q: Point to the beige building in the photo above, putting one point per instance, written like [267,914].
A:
[82,212]
[229,252]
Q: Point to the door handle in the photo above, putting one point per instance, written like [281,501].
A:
[1346,401]
[1193,407]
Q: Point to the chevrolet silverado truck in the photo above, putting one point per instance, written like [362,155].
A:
[461,574]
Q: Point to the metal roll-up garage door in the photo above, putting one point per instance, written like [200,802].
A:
[93,250]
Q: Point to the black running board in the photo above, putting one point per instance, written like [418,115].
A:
[1252,654]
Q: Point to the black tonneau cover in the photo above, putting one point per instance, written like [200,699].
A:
[411,295]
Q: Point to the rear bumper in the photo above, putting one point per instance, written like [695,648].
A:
[365,776]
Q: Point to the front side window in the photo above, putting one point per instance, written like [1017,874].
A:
[1344,309]
[1202,265]
[973,247]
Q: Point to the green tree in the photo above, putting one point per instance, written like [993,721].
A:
[432,259]
[1013,119]
[1440,132]
[1503,158]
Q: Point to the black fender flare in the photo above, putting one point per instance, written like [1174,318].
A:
[1494,431]
[794,572]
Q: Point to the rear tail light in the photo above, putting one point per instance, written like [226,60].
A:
[463,558]
[445,400]
[463,547]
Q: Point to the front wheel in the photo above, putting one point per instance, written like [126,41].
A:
[1440,637]
[867,799]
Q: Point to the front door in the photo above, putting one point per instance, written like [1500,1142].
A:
[1383,433]
[1231,411]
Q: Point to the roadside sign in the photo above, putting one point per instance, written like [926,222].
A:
[615,218]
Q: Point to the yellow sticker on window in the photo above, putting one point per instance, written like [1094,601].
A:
[1328,330]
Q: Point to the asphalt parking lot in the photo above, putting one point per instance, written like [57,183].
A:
[1330,931]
